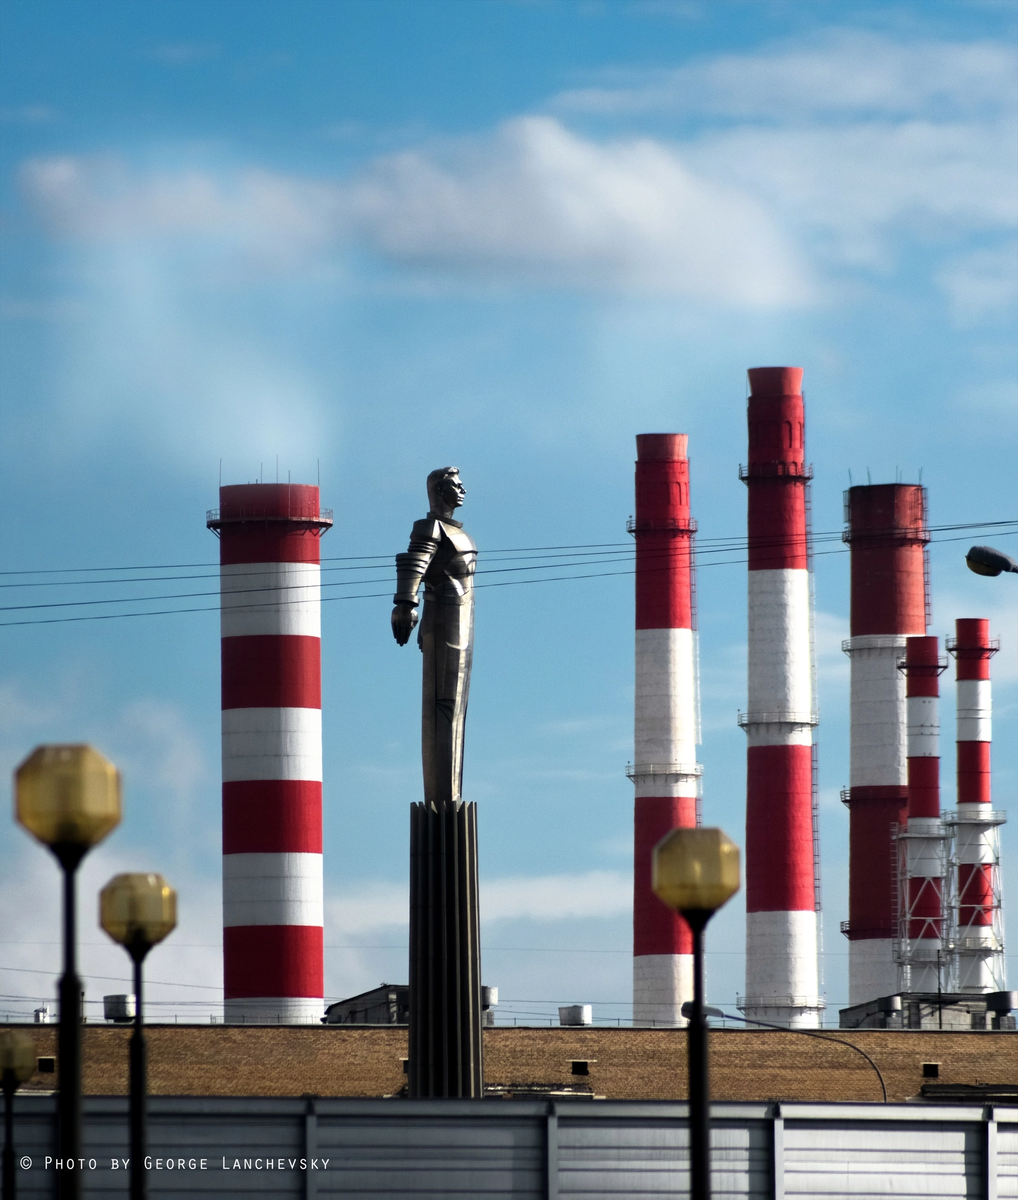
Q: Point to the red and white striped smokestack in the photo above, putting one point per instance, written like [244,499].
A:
[781,921]
[978,932]
[665,770]
[272,751]
[886,534]
[921,926]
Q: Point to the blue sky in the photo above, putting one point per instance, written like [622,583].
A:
[369,239]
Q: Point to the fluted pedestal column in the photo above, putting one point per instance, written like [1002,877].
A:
[445,953]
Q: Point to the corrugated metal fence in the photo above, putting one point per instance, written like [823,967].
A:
[529,1150]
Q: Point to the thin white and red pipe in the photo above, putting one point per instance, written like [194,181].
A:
[922,952]
[886,535]
[272,752]
[978,926]
[782,978]
[664,770]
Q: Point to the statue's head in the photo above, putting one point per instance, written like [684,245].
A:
[445,488]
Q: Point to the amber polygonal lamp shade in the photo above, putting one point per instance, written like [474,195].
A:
[695,869]
[67,795]
[138,909]
[17,1055]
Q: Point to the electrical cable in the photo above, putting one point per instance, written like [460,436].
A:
[377,595]
[507,550]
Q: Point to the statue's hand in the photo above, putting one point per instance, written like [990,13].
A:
[404,619]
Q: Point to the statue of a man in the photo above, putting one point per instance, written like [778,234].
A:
[442,556]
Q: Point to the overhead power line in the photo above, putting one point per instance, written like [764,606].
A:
[703,545]
[569,562]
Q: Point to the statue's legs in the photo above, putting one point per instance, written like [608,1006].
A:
[446,638]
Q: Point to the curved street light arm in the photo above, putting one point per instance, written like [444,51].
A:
[823,1037]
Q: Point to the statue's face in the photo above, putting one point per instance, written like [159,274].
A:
[452,491]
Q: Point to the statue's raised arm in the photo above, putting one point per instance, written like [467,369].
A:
[442,557]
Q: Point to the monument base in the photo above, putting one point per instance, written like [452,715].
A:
[445,954]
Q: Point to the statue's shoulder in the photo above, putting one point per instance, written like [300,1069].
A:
[427,529]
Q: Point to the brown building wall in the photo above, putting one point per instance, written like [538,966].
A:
[624,1064]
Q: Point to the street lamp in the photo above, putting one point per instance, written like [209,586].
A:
[696,871]
[17,1064]
[984,560]
[68,797]
[138,911]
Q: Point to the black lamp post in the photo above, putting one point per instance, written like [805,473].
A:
[138,910]
[69,798]
[17,1063]
[696,871]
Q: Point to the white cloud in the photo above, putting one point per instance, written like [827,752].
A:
[160,255]
[853,191]
[534,203]
[19,713]
[276,221]
[168,827]
[156,743]
[847,139]
[557,897]
[370,905]
[155,363]
[185,970]
[163,759]
[382,904]
[540,203]
[28,717]
[841,72]
[155,353]
[831,154]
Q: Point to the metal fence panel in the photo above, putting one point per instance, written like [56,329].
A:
[430,1157]
[881,1158]
[603,1158]
[528,1150]
[1007,1161]
[181,1134]
[33,1136]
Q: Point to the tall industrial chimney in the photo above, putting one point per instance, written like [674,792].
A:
[978,934]
[272,751]
[886,534]
[664,770]
[922,859]
[781,922]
